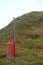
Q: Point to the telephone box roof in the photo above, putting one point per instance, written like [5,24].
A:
[10,42]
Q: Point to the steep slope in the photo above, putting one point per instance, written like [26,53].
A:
[27,25]
[7,33]
[30,24]
[28,30]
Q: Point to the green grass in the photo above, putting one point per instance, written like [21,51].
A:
[29,40]
[26,53]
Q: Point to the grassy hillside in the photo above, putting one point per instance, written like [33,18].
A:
[29,39]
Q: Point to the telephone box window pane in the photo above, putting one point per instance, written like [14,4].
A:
[8,47]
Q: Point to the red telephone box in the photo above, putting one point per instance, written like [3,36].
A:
[10,49]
